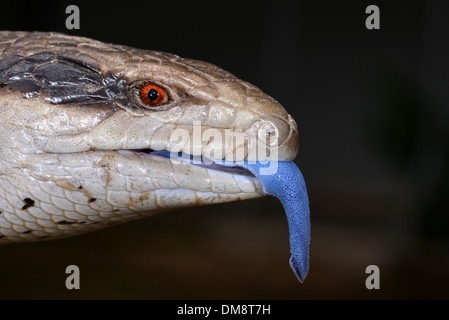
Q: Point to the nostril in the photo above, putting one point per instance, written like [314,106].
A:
[268,134]
[275,134]
[271,130]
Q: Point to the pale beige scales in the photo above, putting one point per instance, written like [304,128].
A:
[74,134]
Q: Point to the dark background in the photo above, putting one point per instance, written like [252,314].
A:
[372,108]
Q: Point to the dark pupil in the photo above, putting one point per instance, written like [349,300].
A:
[153,94]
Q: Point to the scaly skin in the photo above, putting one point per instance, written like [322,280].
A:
[72,166]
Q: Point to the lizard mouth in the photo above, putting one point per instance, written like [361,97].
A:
[196,160]
[286,184]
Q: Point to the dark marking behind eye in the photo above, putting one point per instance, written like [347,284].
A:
[29,87]
[28,203]
[21,70]
[41,57]
[8,62]
[27,231]
[66,78]
[71,94]
[62,74]
[112,91]
[66,222]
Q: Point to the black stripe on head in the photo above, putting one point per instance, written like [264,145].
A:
[62,79]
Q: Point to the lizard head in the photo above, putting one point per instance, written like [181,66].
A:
[86,127]
[80,126]
[86,95]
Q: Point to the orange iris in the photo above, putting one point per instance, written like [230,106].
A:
[153,94]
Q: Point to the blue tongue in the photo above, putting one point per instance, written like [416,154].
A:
[287,184]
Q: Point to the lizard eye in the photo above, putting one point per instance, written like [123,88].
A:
[153,95]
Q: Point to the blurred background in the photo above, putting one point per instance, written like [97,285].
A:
[373,109]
